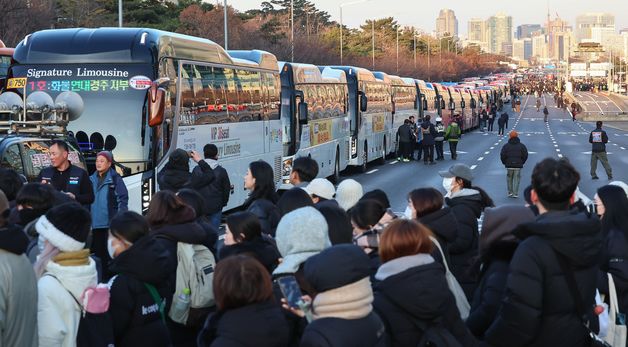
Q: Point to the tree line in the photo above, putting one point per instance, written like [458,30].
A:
[316,37]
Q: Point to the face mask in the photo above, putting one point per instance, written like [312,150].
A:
[110,248]
[407,214]
[41,243]
[447,182]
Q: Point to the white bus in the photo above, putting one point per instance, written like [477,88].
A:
[370,117]
[314,118]
[405,104]
[147,92]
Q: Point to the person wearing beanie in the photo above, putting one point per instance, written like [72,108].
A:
[110,197]
[176,173]
[65,176]
[497,246]
[321,191]
[348,193]
[513,155]
[342,308]
[18,285]
[64,270]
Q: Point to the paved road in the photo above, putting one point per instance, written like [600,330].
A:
[559,137]
[600,103]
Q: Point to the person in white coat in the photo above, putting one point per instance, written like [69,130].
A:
[64,270]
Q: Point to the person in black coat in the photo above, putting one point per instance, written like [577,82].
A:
[138,262]
[193,199]
[244,236]
[341,308]
[412,291]
[216,193]
[429,134]
[497,246]
[247,315]
[176,173]
[514,155]
[172,221]
[502,123]
[262,200]
[539,308]
[467,203]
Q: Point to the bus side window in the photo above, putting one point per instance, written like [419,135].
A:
[232,94]
[12,159]
[245,107]
[272,84]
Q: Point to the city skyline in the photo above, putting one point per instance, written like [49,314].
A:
[529,12]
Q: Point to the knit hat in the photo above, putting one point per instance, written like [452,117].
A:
[513,133]
[300,234]
[499,222]
[336,267]
[179,159]
[107,155]
[621,184]
[348,193]
[321,188]
[65,226]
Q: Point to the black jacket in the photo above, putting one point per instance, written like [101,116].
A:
[503,120]
[490,291]
[335,332]
[268,214]
[404,133]
[260,248]
[73,180]
[338,222]
[514,154]
[444,225]
[258,325]
[428,132]
[419,294]
[216,193]
[467,209]
[13,239]
[176,177]
[598,139]
[615,262]
[538,309]
[136,319]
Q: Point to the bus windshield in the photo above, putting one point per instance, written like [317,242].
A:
[5,61]
[114,98]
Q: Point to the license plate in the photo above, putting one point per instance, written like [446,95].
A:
[14,83]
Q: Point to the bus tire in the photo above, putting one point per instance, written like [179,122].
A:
[335,177]
[365,158]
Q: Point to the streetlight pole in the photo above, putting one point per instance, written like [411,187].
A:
[120,13]
[341,26]
[226,27]
[429,53]
[414,47]
[292,30]
[373,40]
[397,30]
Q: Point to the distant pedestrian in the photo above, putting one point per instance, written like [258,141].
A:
[514,155]
[502,123]
[538,105]
[452,135]
[573,111]
[440,138]
[216,193]
[518,104]
[598,140]
[429,134]
[404,141]
[491,117]
[484,119]
[545,114]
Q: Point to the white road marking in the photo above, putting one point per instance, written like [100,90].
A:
[557,150]
[480,158]
[372,171]
[393,162]
[487,152]
[622,147]
[473,167]
[492,148]
[560,155]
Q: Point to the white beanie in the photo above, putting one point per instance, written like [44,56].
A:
[621,184]
[348,193]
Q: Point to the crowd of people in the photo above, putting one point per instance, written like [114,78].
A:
[317,265]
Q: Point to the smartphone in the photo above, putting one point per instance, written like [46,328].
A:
[291,291]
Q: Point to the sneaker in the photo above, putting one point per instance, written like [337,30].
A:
[398,158]
[510,195]
[515,196]
[595,178]
[406,160]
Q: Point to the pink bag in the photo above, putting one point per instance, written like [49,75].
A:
[96,299]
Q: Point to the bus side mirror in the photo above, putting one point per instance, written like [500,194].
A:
[442,104]
[462,104]
[303,112]
[393,107]
[416,102]
[156,105]
[363,102]
[473,103]
[452,105]
[424,104]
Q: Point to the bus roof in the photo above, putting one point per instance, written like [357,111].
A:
[398,81]
[303,73]
[126,45]
[334,75]
[255,58]
[362,74]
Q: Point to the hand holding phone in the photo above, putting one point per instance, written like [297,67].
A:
[291,291]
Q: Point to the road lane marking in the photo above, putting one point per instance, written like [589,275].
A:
[372,171]
[473,167]
[480,158]
[393,162]
[560,155]
[487,152]
[622,147]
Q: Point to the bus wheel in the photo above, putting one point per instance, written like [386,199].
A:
[335,177]
[365,159]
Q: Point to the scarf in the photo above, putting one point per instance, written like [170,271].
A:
[76,258]
[352,301]
[399,265]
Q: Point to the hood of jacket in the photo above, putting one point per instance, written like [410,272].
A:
[260,247]
[514,140]
[190,232]
[573,234]
[263,321]
[75,279]
[422,291]
[468,197]
[147,260]
[173,177]
[443,223]
[13,239]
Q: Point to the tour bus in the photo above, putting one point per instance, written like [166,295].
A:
[314,118]
[5,61]
[443,99]
[429,96]
[404,104]
[370,116]
[146,92]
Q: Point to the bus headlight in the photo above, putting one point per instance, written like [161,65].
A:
[286,167]
[147,193]
[354,147]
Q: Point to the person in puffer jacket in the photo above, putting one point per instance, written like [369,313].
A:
[514,155]
[141,268]
[64,270]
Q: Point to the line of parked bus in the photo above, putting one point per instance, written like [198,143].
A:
[146,92]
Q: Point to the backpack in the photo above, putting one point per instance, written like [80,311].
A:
[195,271]
[95,326]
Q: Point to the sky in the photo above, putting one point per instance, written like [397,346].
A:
[422,14]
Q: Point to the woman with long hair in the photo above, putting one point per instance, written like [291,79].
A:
[263,198]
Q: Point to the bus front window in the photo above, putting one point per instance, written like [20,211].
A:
[114,112]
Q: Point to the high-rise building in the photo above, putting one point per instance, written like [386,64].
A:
[527,48]
[587,21]
[477,30]
[526,30]
[447,23]
[558,38]
[518,50]
[499,31]
[539,46]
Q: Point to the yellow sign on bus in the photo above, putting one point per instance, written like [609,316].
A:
[14,83]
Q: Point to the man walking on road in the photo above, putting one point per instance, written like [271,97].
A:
[598,140]
[538,105]
[452,135]
[404,139]
[545,114]
[429,133]
[502,123]
[513,155]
